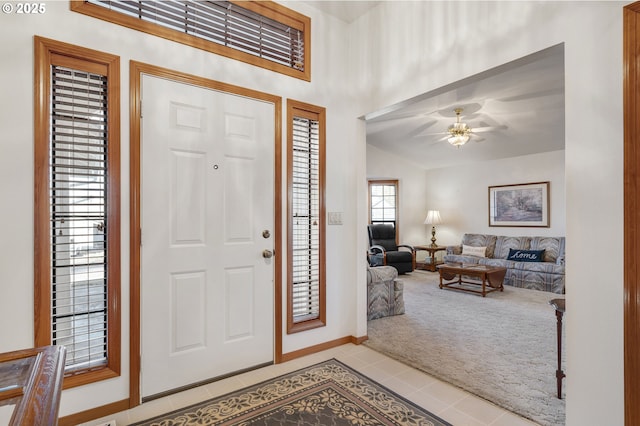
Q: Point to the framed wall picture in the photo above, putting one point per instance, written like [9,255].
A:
[522,205]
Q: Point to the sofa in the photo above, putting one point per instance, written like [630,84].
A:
[536,263]
[384,292]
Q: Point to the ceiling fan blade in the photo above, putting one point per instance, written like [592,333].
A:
[423,135]
[421,128]
[437,141]
[488,129]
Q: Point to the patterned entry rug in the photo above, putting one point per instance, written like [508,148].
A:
[328,393]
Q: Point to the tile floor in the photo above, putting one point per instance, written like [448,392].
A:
[449,402]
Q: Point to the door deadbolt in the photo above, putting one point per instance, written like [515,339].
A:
[267,254]
[266,233]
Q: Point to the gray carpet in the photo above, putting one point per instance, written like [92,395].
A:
[501,347]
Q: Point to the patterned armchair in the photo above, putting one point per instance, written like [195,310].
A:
[384,292]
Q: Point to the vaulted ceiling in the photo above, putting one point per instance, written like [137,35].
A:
[519,105]
[347,11]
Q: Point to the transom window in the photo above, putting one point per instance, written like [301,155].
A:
[306,260]
[261,33]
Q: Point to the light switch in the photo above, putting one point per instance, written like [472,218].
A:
[335,218]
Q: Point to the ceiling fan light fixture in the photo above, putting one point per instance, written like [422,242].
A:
[459,131]
[458,140]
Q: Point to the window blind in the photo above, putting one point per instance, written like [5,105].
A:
[221,22]
[78,202]
[306,218]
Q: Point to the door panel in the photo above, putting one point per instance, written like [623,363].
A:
[240,304]
[207,183]
[187,197]
[188,311]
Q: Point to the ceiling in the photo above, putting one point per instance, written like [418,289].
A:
[347,11]
[523,101]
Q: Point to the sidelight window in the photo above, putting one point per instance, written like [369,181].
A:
[77,207]
[306,280]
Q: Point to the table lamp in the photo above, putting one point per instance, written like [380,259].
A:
[433,218]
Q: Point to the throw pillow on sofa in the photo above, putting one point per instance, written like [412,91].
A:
[526,255]
[474,251]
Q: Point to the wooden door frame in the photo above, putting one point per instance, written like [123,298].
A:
[136,71]
[631,96]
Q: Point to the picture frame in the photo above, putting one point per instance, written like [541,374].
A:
[519,205]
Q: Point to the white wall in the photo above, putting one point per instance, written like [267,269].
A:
[419,46]
[412,200]
[330,88]
[399,50]
[462,194]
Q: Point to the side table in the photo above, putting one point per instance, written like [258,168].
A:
[432,253]
[558,304]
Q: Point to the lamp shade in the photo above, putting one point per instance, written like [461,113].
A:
[433,218]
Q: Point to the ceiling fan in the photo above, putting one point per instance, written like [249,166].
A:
[459,133]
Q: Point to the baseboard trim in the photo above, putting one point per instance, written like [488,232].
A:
[359,340]
[322,347]
[94,413]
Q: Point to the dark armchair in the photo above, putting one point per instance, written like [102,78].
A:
[383,249]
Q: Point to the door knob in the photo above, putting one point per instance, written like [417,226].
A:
[267,254]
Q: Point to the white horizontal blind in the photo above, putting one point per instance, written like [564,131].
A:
[306,219]
[78,169]
[221,22]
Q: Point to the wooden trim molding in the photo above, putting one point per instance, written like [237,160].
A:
[319,114]
[136,70]
[359,340]
[48,52]
[396,183]
[266,8]
[631,96]
[323,347]
[94,413]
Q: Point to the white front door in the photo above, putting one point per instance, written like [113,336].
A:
[207,214]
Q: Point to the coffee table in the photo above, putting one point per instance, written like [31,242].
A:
[488,278]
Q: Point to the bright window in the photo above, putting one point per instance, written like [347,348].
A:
[77,208]
[306,217]
[261,33]
[383,201]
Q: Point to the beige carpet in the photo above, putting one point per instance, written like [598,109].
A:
[501,347]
